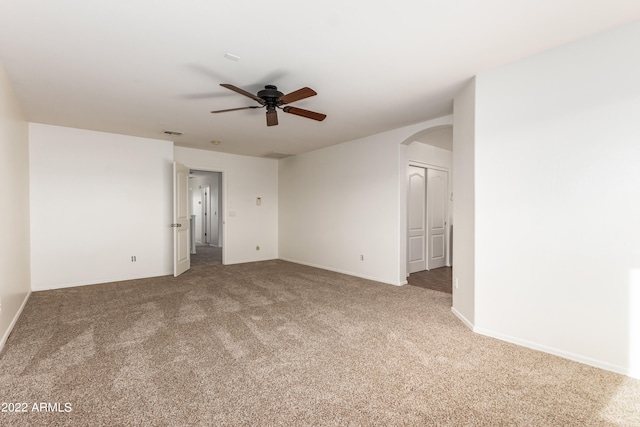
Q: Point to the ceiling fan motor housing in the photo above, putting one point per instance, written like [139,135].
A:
[270,94]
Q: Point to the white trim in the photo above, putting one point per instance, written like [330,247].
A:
[546,349]
[561,353]
[464,320]
[428,166]
[348,273]
[103,281]
[14,321]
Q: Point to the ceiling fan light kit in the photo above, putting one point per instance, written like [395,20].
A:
[272,99]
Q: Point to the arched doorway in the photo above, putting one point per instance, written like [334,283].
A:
[430,148]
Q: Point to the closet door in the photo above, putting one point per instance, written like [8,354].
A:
[436,218]
[416,221]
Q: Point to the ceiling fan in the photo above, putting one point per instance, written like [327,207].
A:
[271,99]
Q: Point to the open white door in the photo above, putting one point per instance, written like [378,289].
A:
[181,252]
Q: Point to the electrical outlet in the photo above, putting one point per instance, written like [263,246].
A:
[133,258]
[361,257]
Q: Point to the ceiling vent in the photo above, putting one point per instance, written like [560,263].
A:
[172,132]
[274,155]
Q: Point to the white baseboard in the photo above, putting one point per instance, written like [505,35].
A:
[560,353]
[99,281]
[14,320]
[348,273]
[546,349]
[464,320]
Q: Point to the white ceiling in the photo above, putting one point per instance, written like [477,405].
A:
[139,67]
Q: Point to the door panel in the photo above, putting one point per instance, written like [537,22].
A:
[437,188]
[436,251]
[181,247]
[416,221]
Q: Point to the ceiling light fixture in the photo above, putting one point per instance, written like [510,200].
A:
[215,142]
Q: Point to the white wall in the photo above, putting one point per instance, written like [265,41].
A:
[464,204]
[14,215]
[557,184]
[347,200]
[423,152]
[96,200]
[339,203]
[244,179]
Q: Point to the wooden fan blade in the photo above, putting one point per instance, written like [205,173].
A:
[242,92]
[235,109]
[305,113]
[272,117]
[297,95]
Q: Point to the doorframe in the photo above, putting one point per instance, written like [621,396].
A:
[426,166]
[223,197]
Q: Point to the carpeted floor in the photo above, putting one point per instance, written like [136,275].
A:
[275,343]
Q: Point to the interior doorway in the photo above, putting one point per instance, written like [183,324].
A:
[429,146]
[205,188]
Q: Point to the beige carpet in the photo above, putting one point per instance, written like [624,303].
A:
[275,343]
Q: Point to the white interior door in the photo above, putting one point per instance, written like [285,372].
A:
[181,252]
[436,218]
[196,209]
[206,217]
[416,221]
[215,195]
